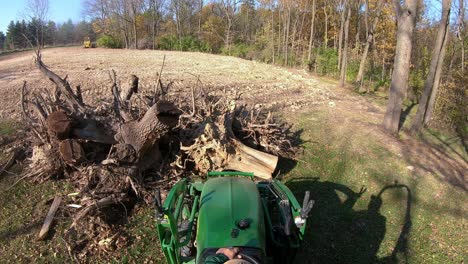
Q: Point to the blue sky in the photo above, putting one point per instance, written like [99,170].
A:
[59,11]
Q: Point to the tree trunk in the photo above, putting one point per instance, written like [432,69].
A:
[200,18]
[433,78]
[325,38]
[143,134]
[273,34]
[311,39]
[435,89]
[461,18]
[340,39]
[358,29]
[286,48]
[370,39]
[294,36]
[344,63]
[406,20]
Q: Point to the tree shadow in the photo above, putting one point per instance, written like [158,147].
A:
[338,234]
[428,157]
[404,114]
[20,231]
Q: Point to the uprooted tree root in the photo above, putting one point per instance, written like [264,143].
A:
[120,149]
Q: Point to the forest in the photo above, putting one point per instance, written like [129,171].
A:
[359,42]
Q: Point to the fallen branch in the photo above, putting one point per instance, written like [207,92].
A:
[49,218]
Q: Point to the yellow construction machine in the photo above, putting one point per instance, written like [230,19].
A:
[87,42]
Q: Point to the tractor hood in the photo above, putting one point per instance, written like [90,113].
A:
[230,214]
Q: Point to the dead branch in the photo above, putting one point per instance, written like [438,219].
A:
[49,218]
[62,85]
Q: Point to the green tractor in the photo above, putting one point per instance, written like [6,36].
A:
[262,220]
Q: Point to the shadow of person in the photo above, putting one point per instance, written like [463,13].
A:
[362,233]
[400,251]
[335,232]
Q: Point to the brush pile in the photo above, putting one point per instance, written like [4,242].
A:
[116,152]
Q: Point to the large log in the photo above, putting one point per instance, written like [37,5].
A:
[143,134]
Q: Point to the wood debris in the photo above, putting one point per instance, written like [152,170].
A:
[115,153]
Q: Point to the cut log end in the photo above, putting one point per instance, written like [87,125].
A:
[71,151]
[59,125]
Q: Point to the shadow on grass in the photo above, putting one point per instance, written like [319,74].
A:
[435,160]
[336,233]
[20,231]
[404,114]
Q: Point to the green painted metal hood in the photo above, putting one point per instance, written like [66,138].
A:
[224,202]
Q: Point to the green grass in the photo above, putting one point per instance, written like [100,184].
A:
[346,228]
[23,211]
[7,127]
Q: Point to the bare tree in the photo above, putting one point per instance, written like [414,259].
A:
[311,39]
[406,12]
[431,85]
[229,9]
[135,8]
[38,10]
[341,6]
[461,24]
[370,39]
[344,60]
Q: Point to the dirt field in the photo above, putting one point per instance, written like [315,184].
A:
[89,68]
[340,131]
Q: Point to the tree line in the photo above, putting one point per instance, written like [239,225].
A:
[22,34]
[411,50]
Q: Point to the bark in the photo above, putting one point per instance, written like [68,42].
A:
[143,134]
[431,84]
[406,20]
[344,63]
[358,28]
[461,21]
[311,39]
[130,87]
[286,46]
[200,18]
[325,37]
[273,33]
[370,39]
[430,107]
